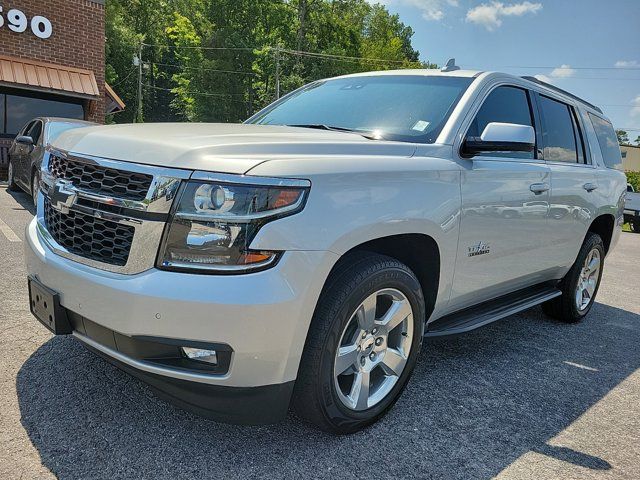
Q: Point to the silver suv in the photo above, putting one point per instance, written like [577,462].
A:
[298,260]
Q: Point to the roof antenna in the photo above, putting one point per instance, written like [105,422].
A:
[450,66]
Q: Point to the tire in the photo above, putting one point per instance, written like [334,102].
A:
[635,226]
[12,185]
[35,180]
[320,395]
[565,307]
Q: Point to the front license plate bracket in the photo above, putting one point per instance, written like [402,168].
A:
[45,306]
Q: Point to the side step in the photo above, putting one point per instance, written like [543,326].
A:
[479,315]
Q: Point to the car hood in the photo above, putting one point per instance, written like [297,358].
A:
[632,201]
[230,148]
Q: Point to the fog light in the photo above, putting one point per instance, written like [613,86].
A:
[201,355]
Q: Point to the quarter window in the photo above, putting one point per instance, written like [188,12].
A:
[561,144]
[504,105]
[608,142]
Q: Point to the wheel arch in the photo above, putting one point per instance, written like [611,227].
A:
[418,251]
[604,225]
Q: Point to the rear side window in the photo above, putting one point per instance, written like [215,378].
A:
[504,105]
[608,142]
[560,136]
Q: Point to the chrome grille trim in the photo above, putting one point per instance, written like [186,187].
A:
[101,180]
[158,199]
[147,232]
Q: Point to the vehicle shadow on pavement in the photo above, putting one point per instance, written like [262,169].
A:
[24,200]
[475,404]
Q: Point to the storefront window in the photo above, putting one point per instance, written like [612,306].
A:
[17,110]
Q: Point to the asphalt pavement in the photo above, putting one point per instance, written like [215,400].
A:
[527,397]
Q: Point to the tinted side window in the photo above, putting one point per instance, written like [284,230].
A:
[608,142]
[558,132]
[35,131]
[504,105]
[26,128]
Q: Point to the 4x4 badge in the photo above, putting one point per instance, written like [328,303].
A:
[480,248]
[62,195]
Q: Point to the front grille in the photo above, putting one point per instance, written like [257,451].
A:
[89,237]
[101,180]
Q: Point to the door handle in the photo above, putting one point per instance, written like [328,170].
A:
[539,188]
[590,187]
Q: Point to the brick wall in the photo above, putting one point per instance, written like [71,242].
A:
[77,39]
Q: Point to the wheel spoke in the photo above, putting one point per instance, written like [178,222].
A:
[365,347]
[591,287]
[594,263]
[367,313]
[397,313]
[347,359]
[360,390]
[393,362]
[579,298]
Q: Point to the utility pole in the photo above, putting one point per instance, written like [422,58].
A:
[277,71]
[138,117]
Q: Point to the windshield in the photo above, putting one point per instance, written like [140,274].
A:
[56,128]
[408,108]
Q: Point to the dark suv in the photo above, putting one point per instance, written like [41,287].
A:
[25,154]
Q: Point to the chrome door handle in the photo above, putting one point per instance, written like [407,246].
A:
[590,187]
[539,188]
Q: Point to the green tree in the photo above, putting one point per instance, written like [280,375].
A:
[623,137]
[216,60]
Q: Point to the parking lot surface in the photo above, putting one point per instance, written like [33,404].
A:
[526,397]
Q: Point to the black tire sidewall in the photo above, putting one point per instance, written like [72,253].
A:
[335,412]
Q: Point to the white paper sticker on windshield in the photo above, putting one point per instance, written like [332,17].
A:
[421,125]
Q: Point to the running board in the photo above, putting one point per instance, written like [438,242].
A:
[479,315]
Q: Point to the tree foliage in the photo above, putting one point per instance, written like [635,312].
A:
[217,60]
[623,137]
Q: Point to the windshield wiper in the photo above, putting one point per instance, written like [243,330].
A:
[322,126]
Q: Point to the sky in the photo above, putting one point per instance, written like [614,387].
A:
[589,47]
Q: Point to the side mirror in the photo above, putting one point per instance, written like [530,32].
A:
[501,137]
[24,140]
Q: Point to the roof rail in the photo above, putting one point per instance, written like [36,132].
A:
[564,92]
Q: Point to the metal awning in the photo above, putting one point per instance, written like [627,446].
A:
[113,103]
[47,77]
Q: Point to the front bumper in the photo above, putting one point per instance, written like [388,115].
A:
[263,317]
[631,215]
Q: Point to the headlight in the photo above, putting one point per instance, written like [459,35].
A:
[215,220]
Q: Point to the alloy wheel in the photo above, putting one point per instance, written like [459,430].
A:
[373,349]
[588,280]
[35,187]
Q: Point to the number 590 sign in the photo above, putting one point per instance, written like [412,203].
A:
[17,21]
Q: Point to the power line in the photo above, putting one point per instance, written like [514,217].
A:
[381,60]
[204,69]
[618,105]
[201,47]
[204,94]
[345,57]
[121,81]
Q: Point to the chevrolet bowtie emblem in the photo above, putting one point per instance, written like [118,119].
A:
[62,195]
